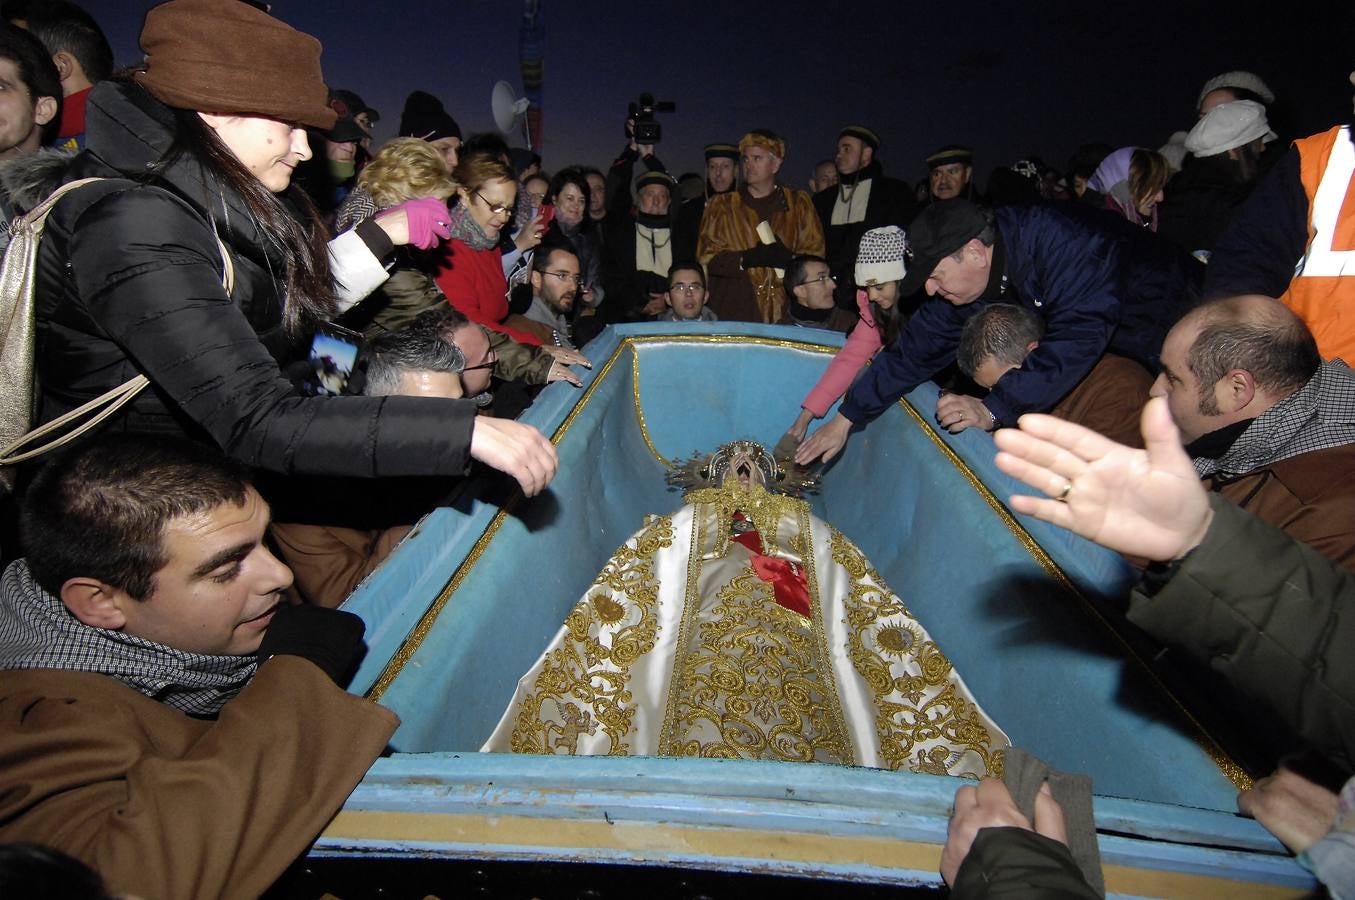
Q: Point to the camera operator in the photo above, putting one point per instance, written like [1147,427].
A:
[638,233]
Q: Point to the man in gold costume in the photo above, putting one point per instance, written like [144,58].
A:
[742,626]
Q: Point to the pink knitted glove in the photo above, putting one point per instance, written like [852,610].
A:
[427,217]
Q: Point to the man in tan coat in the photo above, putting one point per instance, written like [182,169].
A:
[750,235]
[164,717]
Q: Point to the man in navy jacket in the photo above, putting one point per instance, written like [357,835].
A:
[1098,283]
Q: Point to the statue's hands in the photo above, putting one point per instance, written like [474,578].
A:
[1147,503]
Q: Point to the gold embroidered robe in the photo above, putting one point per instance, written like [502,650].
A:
[679,649]
[728,227]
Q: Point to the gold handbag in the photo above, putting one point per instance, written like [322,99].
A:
[17,339]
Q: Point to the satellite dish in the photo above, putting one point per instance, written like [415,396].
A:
[510,111]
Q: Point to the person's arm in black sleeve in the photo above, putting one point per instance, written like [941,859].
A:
[1268,235]
[149,272]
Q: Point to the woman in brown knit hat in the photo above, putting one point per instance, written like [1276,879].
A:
[201,143]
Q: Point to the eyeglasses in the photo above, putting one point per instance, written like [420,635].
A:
[567,277]
[487,364]
[823,278]
[687,288]
[497,209]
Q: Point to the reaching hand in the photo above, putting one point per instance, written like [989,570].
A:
[1146,503]
[1291,807]
[956,412]
[560,372]
[569,357]
[826,442]
[422,222]
[990,805]
[520,450]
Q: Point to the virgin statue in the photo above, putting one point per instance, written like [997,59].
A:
[743,626]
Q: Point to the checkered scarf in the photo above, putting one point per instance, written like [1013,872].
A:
[38,632]
[1318,416]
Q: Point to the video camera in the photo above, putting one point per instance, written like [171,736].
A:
[647,128]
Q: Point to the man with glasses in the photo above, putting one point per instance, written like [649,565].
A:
[555,285]
[686,296]
[809,296]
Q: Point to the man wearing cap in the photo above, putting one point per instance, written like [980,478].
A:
[1098,283]
[862,199]
[750,235]
[637,246]
[721,168]
[1225,161]
[1294,239]
[951,173]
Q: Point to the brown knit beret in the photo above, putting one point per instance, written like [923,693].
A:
[224,56]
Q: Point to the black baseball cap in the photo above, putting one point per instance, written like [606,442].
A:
[938,231]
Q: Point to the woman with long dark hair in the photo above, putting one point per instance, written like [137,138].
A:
[200,144]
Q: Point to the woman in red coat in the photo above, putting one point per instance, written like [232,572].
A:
[471,271]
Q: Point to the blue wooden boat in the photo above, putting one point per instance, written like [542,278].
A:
[465,605]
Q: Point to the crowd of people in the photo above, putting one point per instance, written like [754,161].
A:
[161,662]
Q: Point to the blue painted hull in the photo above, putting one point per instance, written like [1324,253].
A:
[467,603]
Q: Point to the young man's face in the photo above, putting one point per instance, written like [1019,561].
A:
[686,294]
[559,284]
[851,155]
[218,592]
[21,117]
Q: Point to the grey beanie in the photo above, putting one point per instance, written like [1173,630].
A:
[1247,81]
[880,257]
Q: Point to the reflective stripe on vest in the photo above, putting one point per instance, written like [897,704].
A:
[1323,258]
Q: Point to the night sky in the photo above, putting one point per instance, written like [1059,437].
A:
[1010,79]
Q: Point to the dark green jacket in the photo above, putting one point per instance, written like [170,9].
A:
[1272,616]
[1016,863]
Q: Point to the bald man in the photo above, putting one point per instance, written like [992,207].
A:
[1267,423]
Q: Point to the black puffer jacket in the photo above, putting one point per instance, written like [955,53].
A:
[129,280]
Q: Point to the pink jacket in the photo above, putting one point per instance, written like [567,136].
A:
[860,347]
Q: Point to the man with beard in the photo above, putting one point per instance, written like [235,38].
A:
[862,199]
[555,285]
[721,160]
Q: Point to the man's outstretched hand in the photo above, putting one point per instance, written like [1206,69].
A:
[1147,503]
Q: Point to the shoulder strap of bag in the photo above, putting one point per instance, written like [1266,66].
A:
[18,337]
